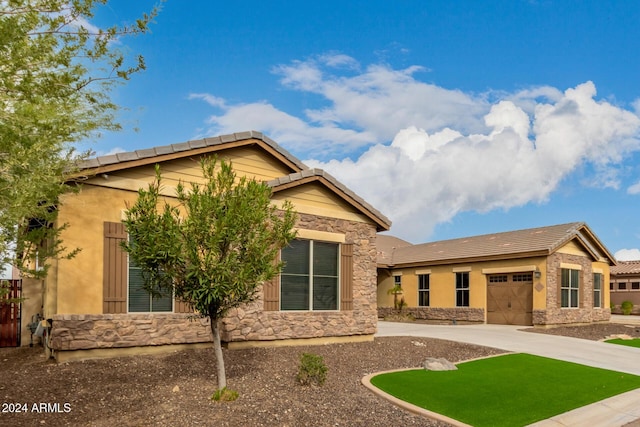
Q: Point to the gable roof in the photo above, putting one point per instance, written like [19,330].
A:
[541,241]
[318,175]
[109,163]
[626,268]
[300,173]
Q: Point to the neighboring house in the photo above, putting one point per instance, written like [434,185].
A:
[625,284]
[540,276]
[95,305]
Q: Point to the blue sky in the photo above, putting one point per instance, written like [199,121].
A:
[452,118]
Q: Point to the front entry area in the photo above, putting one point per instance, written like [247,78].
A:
[510,299]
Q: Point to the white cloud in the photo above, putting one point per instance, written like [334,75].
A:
[627,255]
[114,150]
[634,189]
[450,151]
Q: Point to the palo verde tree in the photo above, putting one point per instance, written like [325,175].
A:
[56,73]
[213,248]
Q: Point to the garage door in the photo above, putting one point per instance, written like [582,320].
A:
[510,299]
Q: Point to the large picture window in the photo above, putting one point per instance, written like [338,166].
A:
[462,289]
[569,288]
[309,279]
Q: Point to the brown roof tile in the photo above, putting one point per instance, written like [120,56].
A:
[120,161]
[626,267]
[539,241]
[123,158]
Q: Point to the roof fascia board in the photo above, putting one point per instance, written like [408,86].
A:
[188,153]
[442,262]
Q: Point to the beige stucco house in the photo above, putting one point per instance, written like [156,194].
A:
[93,302]
[540,276]
[625,284]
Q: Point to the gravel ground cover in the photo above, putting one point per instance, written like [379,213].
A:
[174,389]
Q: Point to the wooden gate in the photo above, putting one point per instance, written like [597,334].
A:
[10,314]
[510,299]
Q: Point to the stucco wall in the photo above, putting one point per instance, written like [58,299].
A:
[443,282]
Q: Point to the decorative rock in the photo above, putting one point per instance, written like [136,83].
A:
[434,364]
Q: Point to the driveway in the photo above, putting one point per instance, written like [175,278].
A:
[512,338]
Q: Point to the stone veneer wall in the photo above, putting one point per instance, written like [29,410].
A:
[585,313]
[459,314]
[252,323]
[94,331]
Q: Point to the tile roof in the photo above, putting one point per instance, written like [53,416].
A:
[626,267]
[149,153]
[387,245]
[510,244]
[122,161]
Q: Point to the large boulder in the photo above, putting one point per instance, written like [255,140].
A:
[435,364]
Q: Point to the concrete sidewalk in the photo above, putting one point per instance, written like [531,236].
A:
[612,412]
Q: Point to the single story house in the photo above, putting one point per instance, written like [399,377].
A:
[93,303]
[625,284]
[540,276]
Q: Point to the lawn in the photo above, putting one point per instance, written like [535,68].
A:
[509,390]
[631,343]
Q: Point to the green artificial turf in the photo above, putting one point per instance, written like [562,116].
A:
[509,390]
[631,343]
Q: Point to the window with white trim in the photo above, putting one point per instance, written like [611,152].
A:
[310,277]
[569,288]
[397,281]
[462,289]
[423,290]
[597,290]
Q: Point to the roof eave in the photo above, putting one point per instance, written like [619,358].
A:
[145,157]
[469,260]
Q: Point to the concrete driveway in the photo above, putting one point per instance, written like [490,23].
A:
[512,338]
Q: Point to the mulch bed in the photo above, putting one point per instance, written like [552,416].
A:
[175,389]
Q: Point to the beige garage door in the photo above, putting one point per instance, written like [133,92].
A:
[510,299]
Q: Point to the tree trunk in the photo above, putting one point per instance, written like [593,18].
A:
[217,348]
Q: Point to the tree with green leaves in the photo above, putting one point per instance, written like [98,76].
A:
[57,70]
[214,248]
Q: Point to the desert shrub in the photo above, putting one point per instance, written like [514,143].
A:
[225,395]
[312,369]
[627,307]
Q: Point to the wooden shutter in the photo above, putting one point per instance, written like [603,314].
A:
[581,285]
[271,292]
[180,306]
[114,269]
[559,298]
[346,277]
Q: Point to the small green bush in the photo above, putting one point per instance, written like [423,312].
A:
[627,307]
[225,395]
[312,369]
